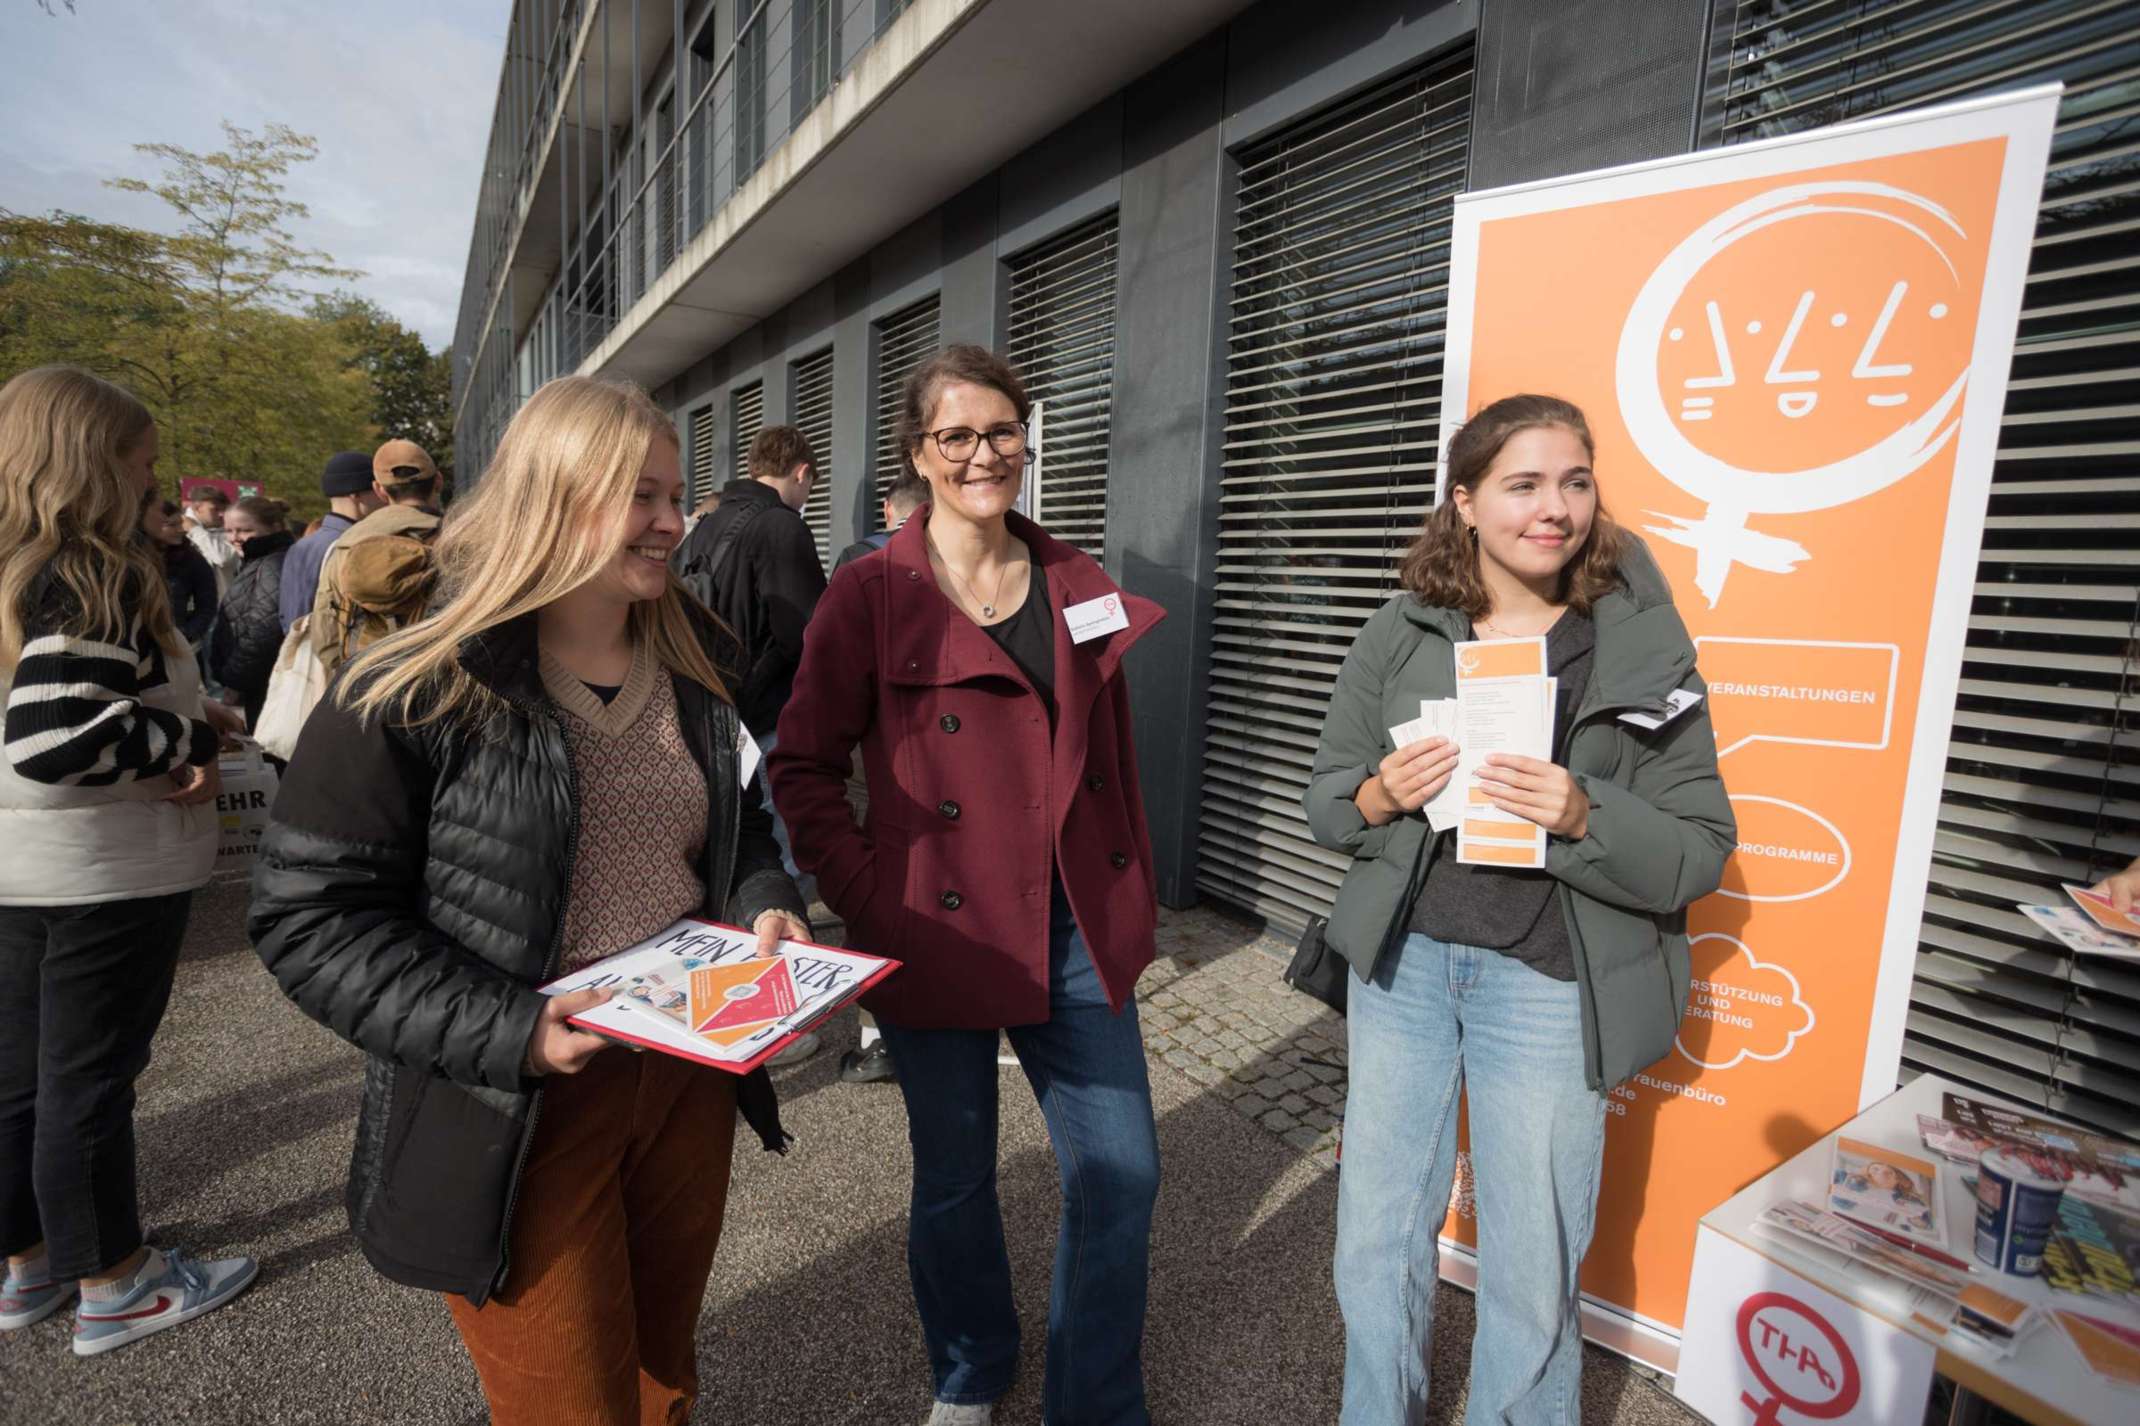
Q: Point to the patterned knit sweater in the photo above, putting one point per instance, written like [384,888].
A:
[643,807]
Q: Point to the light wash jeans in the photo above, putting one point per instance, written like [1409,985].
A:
[1438,1021]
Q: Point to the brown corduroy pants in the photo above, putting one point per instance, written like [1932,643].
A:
[612,1242]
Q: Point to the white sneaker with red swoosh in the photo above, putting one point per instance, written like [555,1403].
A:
[22,1303]
[185,1289]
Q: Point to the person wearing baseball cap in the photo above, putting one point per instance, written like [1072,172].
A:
[347,483]
[378,576]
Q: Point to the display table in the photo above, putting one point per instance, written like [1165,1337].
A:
[1780,1332]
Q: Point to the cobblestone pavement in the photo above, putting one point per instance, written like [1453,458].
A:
[1217,1010]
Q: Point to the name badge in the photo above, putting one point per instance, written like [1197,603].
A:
[747,755]
[1095,617]
[1678,701]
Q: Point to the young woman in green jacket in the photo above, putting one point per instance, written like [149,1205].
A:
[1530,992]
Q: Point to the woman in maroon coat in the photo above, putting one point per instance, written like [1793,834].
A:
[1004,857]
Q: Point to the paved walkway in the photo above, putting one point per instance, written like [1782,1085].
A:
[245,1122]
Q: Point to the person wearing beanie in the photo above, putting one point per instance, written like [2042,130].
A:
[347,484]
[378,577]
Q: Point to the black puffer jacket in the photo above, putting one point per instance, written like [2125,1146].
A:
[247,636]
[409,894]
[190,581]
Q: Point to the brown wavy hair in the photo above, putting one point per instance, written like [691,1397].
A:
[1442,566]
[962,362]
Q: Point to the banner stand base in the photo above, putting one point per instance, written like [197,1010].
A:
[1649,1343]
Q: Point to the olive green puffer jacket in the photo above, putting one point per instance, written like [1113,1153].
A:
[1660,824]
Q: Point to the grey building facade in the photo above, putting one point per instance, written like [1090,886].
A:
[1214,235]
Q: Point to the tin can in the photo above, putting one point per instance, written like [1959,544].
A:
[2016,1206]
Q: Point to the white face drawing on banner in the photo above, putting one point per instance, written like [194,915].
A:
[1820,318]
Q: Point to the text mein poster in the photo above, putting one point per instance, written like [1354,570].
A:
[1793,355]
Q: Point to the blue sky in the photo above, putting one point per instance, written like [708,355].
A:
[398,94]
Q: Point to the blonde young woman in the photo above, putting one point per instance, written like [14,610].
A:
[542,773]
[106,810]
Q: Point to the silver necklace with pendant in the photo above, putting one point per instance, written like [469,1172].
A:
[988,608]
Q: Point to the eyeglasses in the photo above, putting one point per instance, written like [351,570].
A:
[961,443]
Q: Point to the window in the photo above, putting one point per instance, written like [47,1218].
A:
[750,94]
[817,54]
[746,412]
[1062,340]
[905,340]
[1333,395]
[812,405]
[704,479]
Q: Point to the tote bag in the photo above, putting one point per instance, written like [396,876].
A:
[296,685]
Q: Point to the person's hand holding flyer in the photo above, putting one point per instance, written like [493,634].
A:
[715,994]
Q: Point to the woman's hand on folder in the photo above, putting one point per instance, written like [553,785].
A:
[559,1048]
[773,927]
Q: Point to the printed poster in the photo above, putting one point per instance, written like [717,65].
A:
[1793,355]
[1777,1349]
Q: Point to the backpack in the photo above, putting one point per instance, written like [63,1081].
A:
[699,572]
[380,585]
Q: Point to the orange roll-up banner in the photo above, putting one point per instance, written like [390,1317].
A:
[1793,355]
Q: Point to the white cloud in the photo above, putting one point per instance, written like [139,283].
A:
[399,95]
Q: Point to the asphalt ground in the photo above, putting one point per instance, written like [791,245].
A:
[245,1121]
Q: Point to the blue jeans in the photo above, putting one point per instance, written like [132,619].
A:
[807,885]
[1086,1066]
[1436,1021]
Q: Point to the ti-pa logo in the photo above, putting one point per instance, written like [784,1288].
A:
[1800,1360]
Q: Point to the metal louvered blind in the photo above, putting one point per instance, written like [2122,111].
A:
[746,409]
[905,340]
[703,477]
[813,416]
[2042,783]
[1062,340]
[1333,394]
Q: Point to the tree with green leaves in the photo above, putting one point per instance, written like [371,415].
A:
[203,323]
[411,385]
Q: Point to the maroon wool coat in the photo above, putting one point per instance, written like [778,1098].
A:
[970,799]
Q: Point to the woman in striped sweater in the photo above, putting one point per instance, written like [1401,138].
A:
[107,794]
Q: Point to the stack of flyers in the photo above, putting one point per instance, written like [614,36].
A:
[1995,1322]
[2111,1349]
[1941,1295]
[2094,1166]
[1504,704]
[2094,1250]
[1437,719]
[700,991]
[2092,925]
[1887,1190]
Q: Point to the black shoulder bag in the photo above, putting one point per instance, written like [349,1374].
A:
[1316,969]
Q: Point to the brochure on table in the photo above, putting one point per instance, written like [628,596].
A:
[700,991]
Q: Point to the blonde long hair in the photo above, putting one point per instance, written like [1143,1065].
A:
[68,504]
[544,520]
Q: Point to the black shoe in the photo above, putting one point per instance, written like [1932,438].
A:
[871,1066]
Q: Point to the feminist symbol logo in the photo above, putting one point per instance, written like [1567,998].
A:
[1805,338]
[1799,1359]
